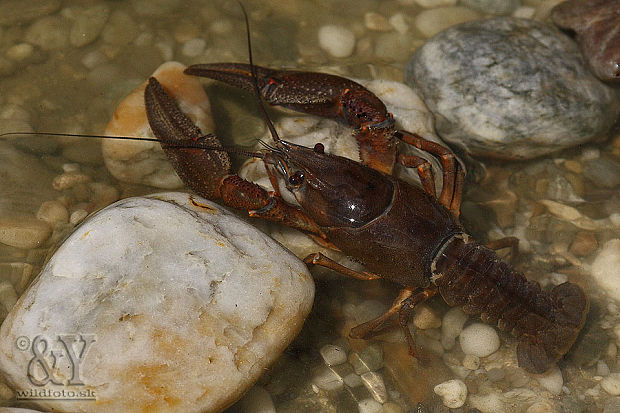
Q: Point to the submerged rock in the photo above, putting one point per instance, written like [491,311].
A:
[172,304]
[510,88]
[597,25]
[145,162]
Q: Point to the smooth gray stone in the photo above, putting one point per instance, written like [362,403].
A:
[510,88]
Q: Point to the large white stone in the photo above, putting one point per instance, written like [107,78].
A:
[187,305]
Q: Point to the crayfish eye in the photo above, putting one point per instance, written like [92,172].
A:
[319,148]
[296,179]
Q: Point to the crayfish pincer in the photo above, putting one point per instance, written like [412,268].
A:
[398,231]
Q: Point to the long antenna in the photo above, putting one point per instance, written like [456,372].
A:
[185,144]
[272,129]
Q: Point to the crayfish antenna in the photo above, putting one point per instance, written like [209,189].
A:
[272,129]
[185,144]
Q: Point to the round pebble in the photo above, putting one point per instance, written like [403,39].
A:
[49,33]
[606,268]
[451,326]
[338,41]
[327,379]
[194,47]
[369,406]
[375,385]
[510,88]
[496,7]
[602,369]
[611,384]
[88,25]
[424,317]
[471,362]
[479,340]
[333,355]
[21,51]
[541,407]
[53,212]
[551,380]
[432,21]
[77,216]
[377,22]
[24,232]
[452,392]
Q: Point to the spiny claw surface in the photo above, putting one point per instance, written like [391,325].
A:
[319,94]
[201,170]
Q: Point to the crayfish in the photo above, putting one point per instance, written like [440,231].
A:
[398,231]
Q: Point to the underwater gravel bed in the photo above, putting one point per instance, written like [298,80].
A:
[65,65]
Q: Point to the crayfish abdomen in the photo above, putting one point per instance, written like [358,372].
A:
[472,276]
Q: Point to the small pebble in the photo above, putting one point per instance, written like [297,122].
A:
[338,41]
[194,47]
[452,392]
[53,212]
[602,369]
[589,154]
[399,23]
[375,385]
[377,22]
[432,21]
[496,374]
[541,407]
[606,268]
[49,33]
[496,7]
[88,25]
[77,216]
[333,355]
[424,317]
[471,362]
[451,326]
[24,232]
[69,180]
[353,380]
[19,52]
[326,379]
[369,406]
[369,359]
[611,384]
[551,380]
[524,12]
[583,244]
[479,340]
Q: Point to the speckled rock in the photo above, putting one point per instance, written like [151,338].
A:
[510,88]
[145,162]
[597,25]
[181,305]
